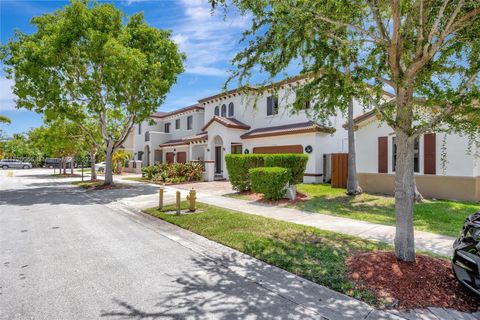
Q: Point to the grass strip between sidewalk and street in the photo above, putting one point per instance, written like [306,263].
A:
[314,254]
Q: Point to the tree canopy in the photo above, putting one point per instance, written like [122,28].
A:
[88,63]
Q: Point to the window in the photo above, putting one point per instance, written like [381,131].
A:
[140,155]
[177,124]
[230,109]
[147,136]
[416,155]
[167,127]
[140,128]
[272,105]
[236,149]
[224,110]
[189,122]
[217,111]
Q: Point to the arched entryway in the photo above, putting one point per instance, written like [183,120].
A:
[218,154]
[146,156]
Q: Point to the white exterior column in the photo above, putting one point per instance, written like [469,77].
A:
[190,151]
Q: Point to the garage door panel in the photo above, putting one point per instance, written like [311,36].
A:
[279,149]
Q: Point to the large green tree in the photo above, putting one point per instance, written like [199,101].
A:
[59,139]
[426,52]
[86,64]
[20,147]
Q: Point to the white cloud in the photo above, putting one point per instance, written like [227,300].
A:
[129,2]
[207,39]
[7,98]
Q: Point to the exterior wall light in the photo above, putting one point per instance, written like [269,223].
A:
[246,151]
[308,149]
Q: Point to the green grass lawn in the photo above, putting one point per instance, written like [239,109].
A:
[436,216]
[311,253]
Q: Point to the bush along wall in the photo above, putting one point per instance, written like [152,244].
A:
[270,181]
[238,166]
[173,172]
[297,163]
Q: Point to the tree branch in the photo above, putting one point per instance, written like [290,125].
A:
[393,54]
[373,4]
[348,25]
[449,109]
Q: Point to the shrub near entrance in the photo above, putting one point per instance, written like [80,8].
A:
[270,181]
[297,163]
[238,166]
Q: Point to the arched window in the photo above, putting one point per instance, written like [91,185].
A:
[224,110]
[217,111]
[230,109]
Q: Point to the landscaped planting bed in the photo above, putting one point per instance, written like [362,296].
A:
[320,256]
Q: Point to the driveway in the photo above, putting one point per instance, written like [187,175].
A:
[70,254]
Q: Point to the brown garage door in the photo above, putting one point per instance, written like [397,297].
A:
[279,149]
[181,157]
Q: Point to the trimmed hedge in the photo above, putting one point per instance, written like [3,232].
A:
[297,163]
[270,181]
[239,164]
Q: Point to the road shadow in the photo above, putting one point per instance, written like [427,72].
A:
[62,192]
[224,288]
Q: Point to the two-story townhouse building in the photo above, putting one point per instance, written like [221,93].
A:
[241,121]
[249,121]
[166,136]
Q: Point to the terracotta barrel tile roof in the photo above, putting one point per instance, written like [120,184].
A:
[227,122]
[174,112]
[176,142]
[202,136]
[296,128]
[198,137]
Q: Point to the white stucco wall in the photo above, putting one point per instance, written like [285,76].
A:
[459,162]
[252,110]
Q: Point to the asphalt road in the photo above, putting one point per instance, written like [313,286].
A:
[70,254]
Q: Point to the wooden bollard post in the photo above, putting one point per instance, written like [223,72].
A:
[192,197]
[160,197]
[178,202]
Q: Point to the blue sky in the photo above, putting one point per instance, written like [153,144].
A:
[209,42]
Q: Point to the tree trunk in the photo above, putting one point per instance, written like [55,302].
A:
[71,165]
[352,183]
[64,166]
[108,164]
[418,195]
[404,197]
[93,172]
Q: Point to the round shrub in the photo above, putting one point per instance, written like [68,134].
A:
[270,181]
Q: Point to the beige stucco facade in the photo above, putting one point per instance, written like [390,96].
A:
[430,186]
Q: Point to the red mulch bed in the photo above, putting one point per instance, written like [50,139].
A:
[427,283]
[301,197]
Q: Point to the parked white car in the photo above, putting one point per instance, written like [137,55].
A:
[14,164]
[100,167]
